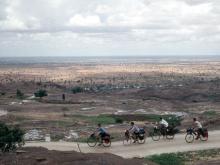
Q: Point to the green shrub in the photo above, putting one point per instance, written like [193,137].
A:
[19,94]
[103,119]
[10,137]
[3,93]
[77,90]
[166,159]
[40,93]
[118,120]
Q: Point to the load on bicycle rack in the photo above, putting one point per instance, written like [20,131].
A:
[93,140]
[139,137]
[167,133]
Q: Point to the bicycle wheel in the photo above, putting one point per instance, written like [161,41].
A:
[106,142]
[189,138]
[127,141]
[155,136]
[170,136]
[203,138]
[141,139]
[92,141]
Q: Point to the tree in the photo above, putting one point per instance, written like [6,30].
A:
[10,137]
[19,94]
[77,89]
[41,93]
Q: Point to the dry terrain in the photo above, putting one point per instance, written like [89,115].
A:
[110,93]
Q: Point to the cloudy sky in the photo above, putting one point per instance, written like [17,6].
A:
[109,27]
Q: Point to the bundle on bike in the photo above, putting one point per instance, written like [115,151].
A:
[138,137]
[167,133]
[93,140]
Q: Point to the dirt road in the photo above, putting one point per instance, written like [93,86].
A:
[138,150]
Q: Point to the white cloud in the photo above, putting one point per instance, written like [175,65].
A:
[105,25]
[79,20]
[12,23]
[103,9]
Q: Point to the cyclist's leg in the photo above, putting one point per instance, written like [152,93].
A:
[134,135]
[163,129]
[101,136]
[197,133]
[200,132]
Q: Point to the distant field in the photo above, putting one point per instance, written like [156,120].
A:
[113,92]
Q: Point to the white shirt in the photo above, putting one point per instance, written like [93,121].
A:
[198,124]
[164,122]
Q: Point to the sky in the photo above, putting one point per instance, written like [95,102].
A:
[109,27]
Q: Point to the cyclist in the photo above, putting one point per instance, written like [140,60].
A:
[134,130]
[163,125]
[198,128]
[102,133]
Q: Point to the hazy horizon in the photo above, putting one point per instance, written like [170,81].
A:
[106,59]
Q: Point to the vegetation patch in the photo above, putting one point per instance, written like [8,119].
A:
[181,158]
[2,93]
[167,159]
[210,113]
[19,94]
[10,137]
[77,89]
[103,119]
[40,93]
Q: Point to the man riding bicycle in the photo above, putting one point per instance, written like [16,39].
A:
[198,128]
[102,133]
[163,125]
[134,130]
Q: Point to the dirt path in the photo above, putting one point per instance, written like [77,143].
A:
[138,150]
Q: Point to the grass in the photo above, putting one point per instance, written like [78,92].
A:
[166,159]
[181,158]
[103,119]
[210,113]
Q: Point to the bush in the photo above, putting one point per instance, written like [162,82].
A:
[3,93]
[10,137]
[77,90]
[19,94]
[40,93]
[118,120]
[167,159]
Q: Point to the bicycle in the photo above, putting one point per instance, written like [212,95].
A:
[92,140]
[191,133]
[140,137]
[168,133]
